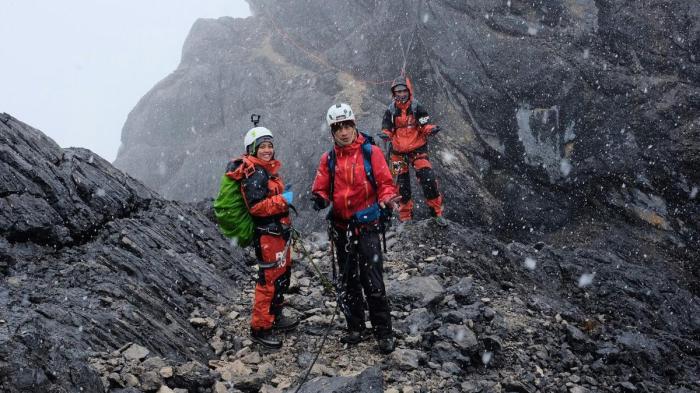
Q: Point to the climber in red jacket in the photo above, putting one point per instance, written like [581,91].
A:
[407,124]
[354,177]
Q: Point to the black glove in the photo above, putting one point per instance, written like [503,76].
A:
[386,217]
[435,130]
[320,203]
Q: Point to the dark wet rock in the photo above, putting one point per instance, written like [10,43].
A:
[579,340]
[423,291]
[568,359]
[627,387]
[416,322]
[442,351]
[461,336]
[462,290]
[453,316]
[488,313]
[517,386]
[434,270]
[492,343]
[369,380]
[251,383]
[95,260]
[407,359]
[579,389]
[193,375]
[641,347]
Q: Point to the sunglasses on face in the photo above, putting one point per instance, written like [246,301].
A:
[338,126]
[400,91]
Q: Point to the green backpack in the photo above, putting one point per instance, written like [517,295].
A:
[235,222]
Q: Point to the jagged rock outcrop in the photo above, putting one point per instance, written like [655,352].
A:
[91,260]
[550,107]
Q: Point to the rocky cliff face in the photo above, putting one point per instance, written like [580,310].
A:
[550,107]
[92,260]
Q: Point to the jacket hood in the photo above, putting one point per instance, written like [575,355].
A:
[406,81]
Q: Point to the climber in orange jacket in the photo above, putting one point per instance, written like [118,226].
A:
[268,203]
[407,124]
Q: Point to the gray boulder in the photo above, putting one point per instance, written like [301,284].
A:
[422,291]
[369,380]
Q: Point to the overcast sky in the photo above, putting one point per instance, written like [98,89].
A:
[75,68]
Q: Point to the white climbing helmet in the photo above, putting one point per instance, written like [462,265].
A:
[339,112]
[254,135]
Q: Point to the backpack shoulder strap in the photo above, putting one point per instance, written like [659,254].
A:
[367,158]
[330,161]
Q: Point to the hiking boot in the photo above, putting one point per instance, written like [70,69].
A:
[386,345]
[266,338]
[352,337]
[441,222]
[285,324]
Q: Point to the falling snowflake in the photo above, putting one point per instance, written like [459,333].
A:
[100,192]
[565,167]
[530,263]
[585,280]
[494,252]
[486,357]
[532,30]
[426,17]
[694,192]
[586,53]
[447,157]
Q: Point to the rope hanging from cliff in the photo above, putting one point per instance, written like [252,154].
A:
[405,50]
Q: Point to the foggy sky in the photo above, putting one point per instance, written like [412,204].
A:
[75,68]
